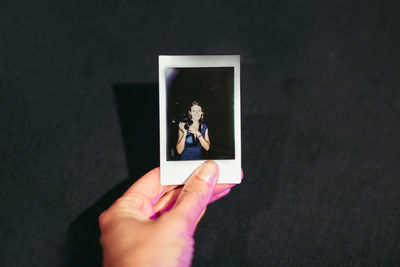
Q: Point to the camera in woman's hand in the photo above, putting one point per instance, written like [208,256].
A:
[183,120]
[188,122]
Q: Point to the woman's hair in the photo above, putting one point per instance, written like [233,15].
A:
[195,103]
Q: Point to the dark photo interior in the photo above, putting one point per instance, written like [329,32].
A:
[213,89]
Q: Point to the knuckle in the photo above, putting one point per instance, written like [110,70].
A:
[155,171]
[119,203]
[197,189]
[103,218]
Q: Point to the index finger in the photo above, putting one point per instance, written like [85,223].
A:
[149,186]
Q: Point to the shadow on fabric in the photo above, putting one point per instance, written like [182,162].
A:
[138,113]
[222,238]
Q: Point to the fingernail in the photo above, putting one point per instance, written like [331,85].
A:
[208,171]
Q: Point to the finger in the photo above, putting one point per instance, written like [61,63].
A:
[222,187]
[220,195]
[149,186]
[212,199]
[195,194]
[169,198]
[167,201]
[201,216]
[139,198]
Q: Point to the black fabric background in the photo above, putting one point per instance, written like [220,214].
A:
[320,126]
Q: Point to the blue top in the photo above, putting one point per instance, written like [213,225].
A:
[193,149]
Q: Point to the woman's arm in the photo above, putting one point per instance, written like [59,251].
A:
[180,145]
[204,140]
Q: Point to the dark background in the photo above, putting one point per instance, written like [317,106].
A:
[213,89]
[320,126]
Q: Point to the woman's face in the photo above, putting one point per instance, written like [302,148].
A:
[196,112]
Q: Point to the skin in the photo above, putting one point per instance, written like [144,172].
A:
[196,113]
[153,225]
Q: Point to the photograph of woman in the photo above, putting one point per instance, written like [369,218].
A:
[198,99]
[193,136]
[198,93]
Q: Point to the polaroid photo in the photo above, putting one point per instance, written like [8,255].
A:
[199,116]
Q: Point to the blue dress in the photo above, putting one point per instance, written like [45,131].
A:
[193,149]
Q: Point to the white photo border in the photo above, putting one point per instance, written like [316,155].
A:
[177,172]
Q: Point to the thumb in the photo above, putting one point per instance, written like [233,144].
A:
[195,194]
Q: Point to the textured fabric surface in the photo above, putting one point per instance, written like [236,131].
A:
[320,126]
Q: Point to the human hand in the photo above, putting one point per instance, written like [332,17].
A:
[194,130]
[153,224]
[182,127]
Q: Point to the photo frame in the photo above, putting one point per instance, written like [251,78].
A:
[199,103]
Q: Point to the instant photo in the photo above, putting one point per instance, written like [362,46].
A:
[199,116]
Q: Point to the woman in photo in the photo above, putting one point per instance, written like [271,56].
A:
[193,135]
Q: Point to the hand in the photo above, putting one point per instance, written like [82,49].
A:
[182,127]
[153,224]
[194,130]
